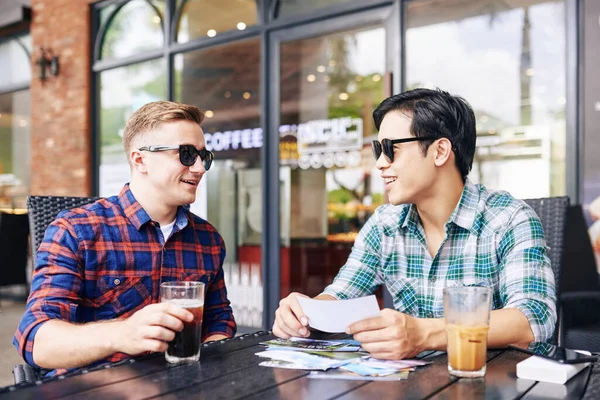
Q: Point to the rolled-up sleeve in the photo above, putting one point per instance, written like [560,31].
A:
[361,275]
[218,316]
[55,286]
[526,277]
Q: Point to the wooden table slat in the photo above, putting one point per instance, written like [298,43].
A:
[500,381]
[101,377]
[305,388]
[180,377]
[574,389]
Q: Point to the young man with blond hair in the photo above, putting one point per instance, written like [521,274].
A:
[438,230]
[95,293]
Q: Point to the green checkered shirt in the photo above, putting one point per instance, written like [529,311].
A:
[492,239]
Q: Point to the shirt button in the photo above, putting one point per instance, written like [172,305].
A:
[117,281]
[433,278]
[430,315]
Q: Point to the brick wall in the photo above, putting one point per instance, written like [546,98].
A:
[60,106]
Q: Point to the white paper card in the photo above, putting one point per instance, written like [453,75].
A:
[336,315]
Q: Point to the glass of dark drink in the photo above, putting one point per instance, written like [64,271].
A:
[189,295]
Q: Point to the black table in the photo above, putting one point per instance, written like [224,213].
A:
[229,370]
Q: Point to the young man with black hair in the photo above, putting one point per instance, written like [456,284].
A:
[438,230]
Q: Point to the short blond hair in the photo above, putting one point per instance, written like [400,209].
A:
[152,115]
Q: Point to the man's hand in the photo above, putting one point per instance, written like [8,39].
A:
[391,336]
[216,336]
[289,318]
[151,328]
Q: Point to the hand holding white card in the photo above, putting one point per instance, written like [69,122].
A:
[336,315]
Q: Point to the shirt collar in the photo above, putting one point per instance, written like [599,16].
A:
[463,215]
[132,209]
[138,216]
[466,209]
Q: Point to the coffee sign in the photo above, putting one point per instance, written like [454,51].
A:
[330,136]
[328,143]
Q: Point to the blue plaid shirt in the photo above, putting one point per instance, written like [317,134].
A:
[492,239]
[106,261]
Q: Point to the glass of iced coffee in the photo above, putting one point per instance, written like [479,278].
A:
[467,318]
[189,295]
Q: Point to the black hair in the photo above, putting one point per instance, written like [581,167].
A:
[439,114]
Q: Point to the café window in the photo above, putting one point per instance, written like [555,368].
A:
[133,28]
[330,85]
[223,81]
[122,91]
[286,8]
[507,59]
[208,19]
[15,131]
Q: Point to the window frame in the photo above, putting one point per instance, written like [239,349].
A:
[15,87]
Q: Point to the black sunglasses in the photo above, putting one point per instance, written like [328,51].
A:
[188,154]
[387,146]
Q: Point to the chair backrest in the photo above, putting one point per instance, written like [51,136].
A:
[553,214]
[42,210]
[579,263]
[14,233]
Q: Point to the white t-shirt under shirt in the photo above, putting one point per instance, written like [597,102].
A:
[167,229]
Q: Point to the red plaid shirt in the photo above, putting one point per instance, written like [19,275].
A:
[111,257]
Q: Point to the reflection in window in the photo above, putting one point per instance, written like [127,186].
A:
[329,88]
[122,91]
[15,138]
[137,27]
[508,61]
[15,67]
[285,8]
[223,82]
[209,18]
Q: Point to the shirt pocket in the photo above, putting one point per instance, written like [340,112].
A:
[406,293]
[120,296]
[205,277]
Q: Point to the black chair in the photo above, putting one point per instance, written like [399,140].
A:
[553,214]
[42,210]
[14,238]
[580,286]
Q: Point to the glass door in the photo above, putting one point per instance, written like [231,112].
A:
[331,77]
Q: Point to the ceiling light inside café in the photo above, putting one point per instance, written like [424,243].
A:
[246,95]
[211,33]
[156,19]
[343,96]
[376,78]
[311,78]
[209,114]
[529,71]
[321,68]
[241,26]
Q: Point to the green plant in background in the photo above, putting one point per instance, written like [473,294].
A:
[339,196]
